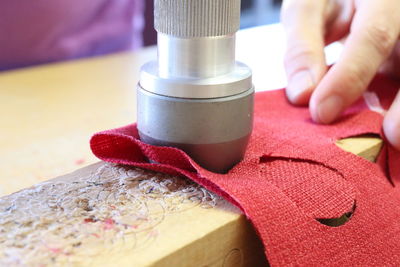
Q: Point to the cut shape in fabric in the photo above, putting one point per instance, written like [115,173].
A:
[310,202]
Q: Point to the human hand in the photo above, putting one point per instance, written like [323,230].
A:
[372,29]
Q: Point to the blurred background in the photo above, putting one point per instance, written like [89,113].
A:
[259,12]
[58,30]
[254,13]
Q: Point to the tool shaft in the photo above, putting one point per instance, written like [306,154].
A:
[205,57]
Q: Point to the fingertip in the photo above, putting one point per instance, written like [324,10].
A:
[301,99]
[391,128]
[313,109]
[300,87]
[326,110]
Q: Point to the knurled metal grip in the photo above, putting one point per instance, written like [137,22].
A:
[197,18]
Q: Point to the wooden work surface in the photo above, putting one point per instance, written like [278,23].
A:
[105,214]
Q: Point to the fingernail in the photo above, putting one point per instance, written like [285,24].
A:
[329,109]
[299,83]
[391,127]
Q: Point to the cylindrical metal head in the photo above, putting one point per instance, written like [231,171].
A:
[197,18]
[214,132]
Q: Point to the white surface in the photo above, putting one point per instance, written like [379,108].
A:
[262,48]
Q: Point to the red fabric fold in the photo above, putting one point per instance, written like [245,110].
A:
[293,177]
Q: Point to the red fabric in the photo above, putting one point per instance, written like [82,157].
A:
[292,176]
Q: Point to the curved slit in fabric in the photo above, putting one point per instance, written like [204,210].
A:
[266,159]
[336,222]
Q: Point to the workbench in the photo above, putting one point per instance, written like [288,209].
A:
[104,214]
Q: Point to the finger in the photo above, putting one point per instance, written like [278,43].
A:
[391,123]
[374,31]
[303,21]
[392,65]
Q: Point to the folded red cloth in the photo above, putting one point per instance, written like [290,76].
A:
[294,178]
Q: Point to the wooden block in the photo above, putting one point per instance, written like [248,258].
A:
[115,216]
[367,147]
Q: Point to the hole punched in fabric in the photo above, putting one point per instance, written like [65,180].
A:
[320,191]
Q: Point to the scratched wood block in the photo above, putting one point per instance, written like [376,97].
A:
[109,215]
